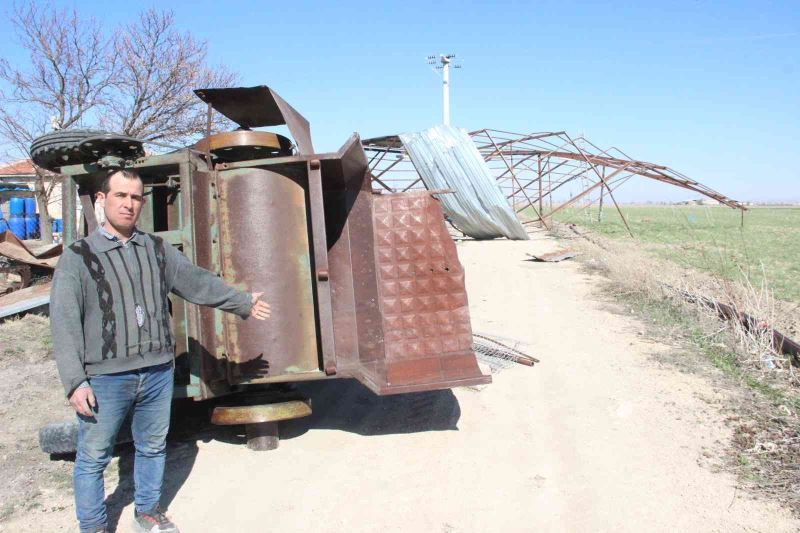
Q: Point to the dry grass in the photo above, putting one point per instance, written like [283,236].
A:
[765,415]
[30,397]
[691,290]
[25,340]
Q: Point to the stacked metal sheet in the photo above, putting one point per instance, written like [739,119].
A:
[446,158]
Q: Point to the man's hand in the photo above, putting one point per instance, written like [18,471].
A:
[82,400]
[260,310]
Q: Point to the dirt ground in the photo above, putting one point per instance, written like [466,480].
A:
[602,435]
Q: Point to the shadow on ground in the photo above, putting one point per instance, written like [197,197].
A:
[181,456]
[340,404]
[346,405]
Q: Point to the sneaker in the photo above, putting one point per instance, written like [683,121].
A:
[153,522]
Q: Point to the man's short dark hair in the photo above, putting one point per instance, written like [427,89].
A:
[127,174]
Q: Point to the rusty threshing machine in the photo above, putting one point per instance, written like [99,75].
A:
[362,285]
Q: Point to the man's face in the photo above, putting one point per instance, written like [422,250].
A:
[123,202]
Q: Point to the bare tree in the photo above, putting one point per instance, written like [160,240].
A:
[71,68]
[138,82]
[159,69]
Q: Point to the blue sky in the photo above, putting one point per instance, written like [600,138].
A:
[711,89]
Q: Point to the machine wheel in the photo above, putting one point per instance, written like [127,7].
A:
[60,148]
[61,438]
[111,150]
[244,145]
[261,421]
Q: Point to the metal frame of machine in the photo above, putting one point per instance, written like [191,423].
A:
[362,285]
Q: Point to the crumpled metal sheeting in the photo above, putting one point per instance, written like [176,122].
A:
[446,158]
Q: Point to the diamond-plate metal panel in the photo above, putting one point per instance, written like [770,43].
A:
[423,297]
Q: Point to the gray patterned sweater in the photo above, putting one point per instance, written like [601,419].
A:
[109,310]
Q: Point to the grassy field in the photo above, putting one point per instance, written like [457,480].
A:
[767,247]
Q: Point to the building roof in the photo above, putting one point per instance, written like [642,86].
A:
[23,167]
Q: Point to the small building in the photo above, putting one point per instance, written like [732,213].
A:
[698,201]
[18,178]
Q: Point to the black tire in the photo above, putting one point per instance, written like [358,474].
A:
[60,148]
[60,438]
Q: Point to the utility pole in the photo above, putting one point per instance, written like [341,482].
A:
[444,66]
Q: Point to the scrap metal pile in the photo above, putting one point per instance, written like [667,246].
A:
[20,263]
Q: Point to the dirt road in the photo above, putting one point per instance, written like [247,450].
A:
[598,437]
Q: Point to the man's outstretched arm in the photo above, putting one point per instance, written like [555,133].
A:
[199,286]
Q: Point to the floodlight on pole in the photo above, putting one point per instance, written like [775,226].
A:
[445,63]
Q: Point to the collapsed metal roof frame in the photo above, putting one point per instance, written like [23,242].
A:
[530,167]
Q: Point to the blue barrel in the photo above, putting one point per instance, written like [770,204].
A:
[30,206]
[17,226]
[60,224]
[32,226]
[17,206]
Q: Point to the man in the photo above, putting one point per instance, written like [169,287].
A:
[114,347]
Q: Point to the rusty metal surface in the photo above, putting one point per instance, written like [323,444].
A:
[209,342]
[367,327]
[780,342]
[324,211]
[263,436]
[297,124]
[553,257]
[351,262]
[321,269]
[264,246]
[256,414]
[245,145]
[249,107]
[358,326]
[22,271]
[423,299]
[29,252]
[341,276]
[253,107]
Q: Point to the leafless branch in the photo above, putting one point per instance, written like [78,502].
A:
[70,69]
[68,75]
[139,82]
[160,68]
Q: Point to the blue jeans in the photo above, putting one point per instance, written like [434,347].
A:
[146,394]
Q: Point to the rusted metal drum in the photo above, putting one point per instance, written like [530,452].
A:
[243,145]
[264,244]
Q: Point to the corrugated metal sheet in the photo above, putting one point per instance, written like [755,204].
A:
[25,299]
[446,158]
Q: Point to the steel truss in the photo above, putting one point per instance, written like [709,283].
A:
[530,168]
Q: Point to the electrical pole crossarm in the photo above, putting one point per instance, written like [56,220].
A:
[445,61]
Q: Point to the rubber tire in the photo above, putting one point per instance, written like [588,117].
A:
[60,148]
[60,438]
